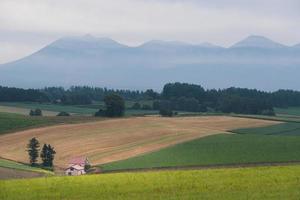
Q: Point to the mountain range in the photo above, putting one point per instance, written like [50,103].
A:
[254,62]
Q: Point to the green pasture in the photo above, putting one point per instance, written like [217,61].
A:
[19,166]
[14,122]
[219,149]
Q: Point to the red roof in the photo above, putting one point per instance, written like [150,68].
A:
[78,161]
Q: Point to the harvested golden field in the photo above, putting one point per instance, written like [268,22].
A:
[117,139]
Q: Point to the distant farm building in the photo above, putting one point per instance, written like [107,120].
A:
[77,166]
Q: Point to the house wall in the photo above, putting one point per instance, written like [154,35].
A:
[74,172]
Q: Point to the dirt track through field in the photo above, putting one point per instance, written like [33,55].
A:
[118,139]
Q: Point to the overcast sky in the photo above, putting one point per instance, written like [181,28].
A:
[28,25]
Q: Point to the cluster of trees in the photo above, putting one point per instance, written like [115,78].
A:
[47,153]
[36,112]
[190,97]
[21,95]
[63,114]
[114,106]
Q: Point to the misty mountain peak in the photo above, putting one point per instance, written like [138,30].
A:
[208,45]
[85,42]
[161,43]
[256,41]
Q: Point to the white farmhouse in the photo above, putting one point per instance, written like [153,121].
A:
[77,166]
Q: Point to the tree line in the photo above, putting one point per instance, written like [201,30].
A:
[174,96]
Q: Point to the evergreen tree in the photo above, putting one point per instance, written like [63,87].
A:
[50,155]
[33,150]
[47,155]
[44,155]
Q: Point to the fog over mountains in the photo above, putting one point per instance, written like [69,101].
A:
[255,62]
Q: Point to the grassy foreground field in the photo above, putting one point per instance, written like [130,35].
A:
[117,139]
[227,184]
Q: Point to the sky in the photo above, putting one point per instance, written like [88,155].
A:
[28,25]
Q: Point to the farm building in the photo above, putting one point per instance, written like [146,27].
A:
[77,166]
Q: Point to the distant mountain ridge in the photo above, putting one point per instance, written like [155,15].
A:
[258,42]
[255,62]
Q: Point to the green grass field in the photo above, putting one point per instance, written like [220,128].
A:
[76,109]
[288,111]
[14,122]
[11,122]
[261,183]
[19,166]
[278,117]
[218,150]
[278,129]
[53,107]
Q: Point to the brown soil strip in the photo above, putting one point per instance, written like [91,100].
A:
[7,173]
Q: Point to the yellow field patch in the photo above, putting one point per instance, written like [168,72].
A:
[117,139]
[23,111]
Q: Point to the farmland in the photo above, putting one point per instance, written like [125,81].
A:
[23,111]
[8,173]
[226,184]
[288,128]
[222,149]
[10,122]
[52,109]
[111,140]
[275,143]
[288,111]
[11,169]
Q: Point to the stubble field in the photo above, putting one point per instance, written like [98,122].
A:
[117,139]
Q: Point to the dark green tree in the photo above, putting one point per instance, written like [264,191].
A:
[100,113]
[63,114]
[51,154]
[33,150]
[115,105]
[38,112]
[44,155]
[165,108]
[32,113]
[47,155]
[136,106]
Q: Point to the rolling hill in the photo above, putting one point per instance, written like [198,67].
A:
[255,62]
[116,139]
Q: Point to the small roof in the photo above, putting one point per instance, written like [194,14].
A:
[78,161]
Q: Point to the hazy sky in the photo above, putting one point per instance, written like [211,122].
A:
[28,25]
